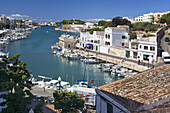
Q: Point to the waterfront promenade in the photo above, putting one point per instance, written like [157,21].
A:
[125,62]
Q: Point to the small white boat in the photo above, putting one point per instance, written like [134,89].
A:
[91,61]
[63,85]
[54,52]
[74,57]
[54,47]
[3,54]
[100,66]
[107,67]
[88,94]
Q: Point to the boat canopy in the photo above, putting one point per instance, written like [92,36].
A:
[82,80]
[89,44]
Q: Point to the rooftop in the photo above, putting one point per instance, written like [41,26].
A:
[123,26]
[145,88]
[101,34]
[117,28]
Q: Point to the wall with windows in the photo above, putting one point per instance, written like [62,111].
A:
[147,51]
[116,38]
[105,104]
[143,50]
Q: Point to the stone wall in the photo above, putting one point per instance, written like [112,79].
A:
[117,51]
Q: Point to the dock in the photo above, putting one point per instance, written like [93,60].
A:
[117,60]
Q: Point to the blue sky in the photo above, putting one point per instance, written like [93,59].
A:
[81,9]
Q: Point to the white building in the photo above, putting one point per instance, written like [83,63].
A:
[131,19]
[116,36]
[92,41]
[28,23]
[143,48]
[139,19]
[102,40]
[146,92]
[150,17]
[3,19]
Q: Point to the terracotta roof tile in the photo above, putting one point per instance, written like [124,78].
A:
[146,87]
[117,28]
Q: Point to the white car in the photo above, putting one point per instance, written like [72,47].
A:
[166,57]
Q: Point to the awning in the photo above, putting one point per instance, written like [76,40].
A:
[134,43]
[89,44]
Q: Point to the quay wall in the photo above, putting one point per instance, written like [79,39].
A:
[125,63]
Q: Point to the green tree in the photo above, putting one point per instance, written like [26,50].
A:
[39,108]
[17,79]
[68,102]
[133,36]
[145,26]
[96,29]
[14,78]
[120,21]
[102,23]
[165,18]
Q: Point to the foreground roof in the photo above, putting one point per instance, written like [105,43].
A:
[145,88]
[117,28]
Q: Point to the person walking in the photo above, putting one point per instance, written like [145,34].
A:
[138,60]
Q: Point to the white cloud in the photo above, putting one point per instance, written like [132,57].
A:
[18,15]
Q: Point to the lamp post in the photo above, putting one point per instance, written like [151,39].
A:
[59,81]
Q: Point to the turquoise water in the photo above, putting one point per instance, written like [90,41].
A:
[37,54]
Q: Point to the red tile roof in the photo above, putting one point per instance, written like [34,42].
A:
[144,88]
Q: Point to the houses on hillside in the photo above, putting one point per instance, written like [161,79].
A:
[117,38]
[149,17]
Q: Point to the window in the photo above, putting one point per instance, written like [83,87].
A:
[145,47]
[146,57]
[140,46]
[152,48]
[109,108]
[96,48]
[108,36]
[107,43]
[134,46]
[68,45]
[123,44]
[123,37]
[83,45]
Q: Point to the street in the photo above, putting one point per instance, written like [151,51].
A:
[164,44]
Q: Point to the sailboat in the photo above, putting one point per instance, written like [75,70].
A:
[85,91]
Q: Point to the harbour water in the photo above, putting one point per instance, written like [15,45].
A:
[36,52]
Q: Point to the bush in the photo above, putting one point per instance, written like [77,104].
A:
[133,36]
[95,29]
[148,35]
[67,101]
[145,26]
